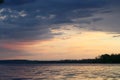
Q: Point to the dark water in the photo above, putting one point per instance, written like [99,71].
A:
[60,72]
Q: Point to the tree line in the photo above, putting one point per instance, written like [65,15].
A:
[109,58]
[104,59]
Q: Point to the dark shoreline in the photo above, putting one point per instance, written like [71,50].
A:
[103,59]
[55,62]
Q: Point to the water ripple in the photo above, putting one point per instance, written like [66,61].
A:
[60,72]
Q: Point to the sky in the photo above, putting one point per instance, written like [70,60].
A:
[59,29]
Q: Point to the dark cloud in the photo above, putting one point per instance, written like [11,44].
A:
[26,20]
[31,19]
[17,2]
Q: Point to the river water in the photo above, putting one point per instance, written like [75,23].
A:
[60,72]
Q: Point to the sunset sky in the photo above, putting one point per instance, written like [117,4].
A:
[59,29]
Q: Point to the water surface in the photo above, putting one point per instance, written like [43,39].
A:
[60,72]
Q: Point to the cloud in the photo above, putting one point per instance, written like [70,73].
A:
[116,36]
[29,20]
[11,54]
[18,2]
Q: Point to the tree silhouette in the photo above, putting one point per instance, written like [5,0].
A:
[106,58]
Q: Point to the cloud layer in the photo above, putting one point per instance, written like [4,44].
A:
[32,19]
[29,20]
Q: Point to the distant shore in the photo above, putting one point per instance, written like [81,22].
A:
[103,59]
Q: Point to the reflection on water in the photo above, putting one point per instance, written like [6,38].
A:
[60,72]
